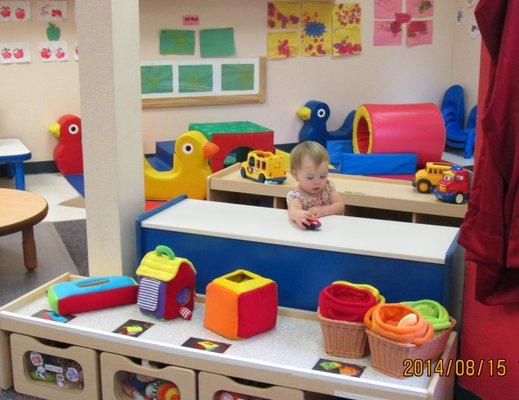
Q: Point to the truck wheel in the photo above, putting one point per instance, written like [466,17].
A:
[423,186]
[459,198]
[243,172]
[261,178]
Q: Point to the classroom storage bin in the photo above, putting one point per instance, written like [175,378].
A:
[215,387]
[74,364]
[388,356]
[116,368]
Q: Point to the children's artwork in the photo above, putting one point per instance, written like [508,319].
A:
[53,32]
[14,53]
[386,9]
[195,78]
[282,45]
[217,42]
[474,30]
[420,8]
[190,20]
[133,328]
[206,345]
[339,367]
[237,77]
[53,51]
[156,79]
[177,41]
[15,11]
[52,316]
[52,10]
[283,14]
[387,33]
[346,36]
[419,33]
[316,35]
[460,16]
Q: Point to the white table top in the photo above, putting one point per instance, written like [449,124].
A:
[12,147]
[378,238]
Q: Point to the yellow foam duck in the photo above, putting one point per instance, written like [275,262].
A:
[190,170]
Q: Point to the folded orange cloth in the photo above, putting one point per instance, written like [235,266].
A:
[345,302]
[383,319]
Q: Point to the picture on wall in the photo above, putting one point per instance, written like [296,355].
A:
[346,23]
[194,82]
[53,51]
[282,45]
[387,33]
[14,53]
[177,41]
[51,10]
[420,8]
[217,42]
[283,14]
[316,33]
[386,9]
[18,11]
[419,33]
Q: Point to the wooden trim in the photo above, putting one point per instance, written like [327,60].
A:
[6,376]
[259,97]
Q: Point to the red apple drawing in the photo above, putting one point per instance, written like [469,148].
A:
[20,13]
[5,11]
[56,13]
[45,53]
[6,53]
[18,53]
[60,54]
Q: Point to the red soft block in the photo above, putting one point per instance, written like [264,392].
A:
[98,300]
[257,310]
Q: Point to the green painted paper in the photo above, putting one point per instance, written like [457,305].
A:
[237,77]
[195,78]
[156,79]
[217,42]
[175,41]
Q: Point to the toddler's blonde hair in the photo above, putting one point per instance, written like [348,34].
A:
[313,150]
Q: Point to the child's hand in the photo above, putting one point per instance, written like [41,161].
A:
[301,218]
[316,212]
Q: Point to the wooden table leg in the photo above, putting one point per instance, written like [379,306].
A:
[29,248]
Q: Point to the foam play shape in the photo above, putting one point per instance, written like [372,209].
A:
[166,285]
[91,294]
[236,135]
[241,304]
[68,153]
[400,128]
[380,164]
[189,173]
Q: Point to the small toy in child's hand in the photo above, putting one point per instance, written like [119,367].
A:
[313,224]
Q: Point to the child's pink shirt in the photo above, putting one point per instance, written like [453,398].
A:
[324,198]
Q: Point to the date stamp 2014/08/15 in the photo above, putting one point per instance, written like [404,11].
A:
[469,367]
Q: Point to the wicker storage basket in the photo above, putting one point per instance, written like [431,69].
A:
[388,356]
[342,338]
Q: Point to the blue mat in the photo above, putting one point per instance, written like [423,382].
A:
[77,181]
[378,164]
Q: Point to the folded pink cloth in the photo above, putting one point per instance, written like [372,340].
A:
[345,303]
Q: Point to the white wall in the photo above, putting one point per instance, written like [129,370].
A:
[33,95]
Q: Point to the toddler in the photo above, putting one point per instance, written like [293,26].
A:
[315,196]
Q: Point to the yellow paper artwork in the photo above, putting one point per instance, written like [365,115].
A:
[346,20]
[282,45]
[316,32]
[283,14]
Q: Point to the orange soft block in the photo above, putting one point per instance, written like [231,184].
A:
[240,305]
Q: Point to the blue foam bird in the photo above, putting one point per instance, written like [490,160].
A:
[315,114]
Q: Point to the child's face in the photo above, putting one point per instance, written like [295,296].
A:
[311,177]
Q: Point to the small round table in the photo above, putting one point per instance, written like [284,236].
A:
[20,211]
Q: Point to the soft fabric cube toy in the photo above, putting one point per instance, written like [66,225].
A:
[166,285]
[241,304]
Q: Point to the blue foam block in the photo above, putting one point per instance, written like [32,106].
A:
[336,148]
[77,181]
[379,164]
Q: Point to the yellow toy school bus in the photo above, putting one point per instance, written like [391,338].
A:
[263,166]
[427,178]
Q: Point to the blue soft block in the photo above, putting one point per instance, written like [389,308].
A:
[336,148]
[77,181]
[379,164]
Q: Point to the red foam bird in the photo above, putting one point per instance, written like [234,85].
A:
[68,153]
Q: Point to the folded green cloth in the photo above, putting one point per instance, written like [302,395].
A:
[433,312]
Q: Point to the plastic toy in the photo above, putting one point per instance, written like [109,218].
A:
[62,372]
[454,186]
[383,164]
[400,128]
[68,153]
[460,138]
[313,224]
[453,106]
[166,285]
[426,179]
[91,294]
[189,173]
[236,135]
[162,390]
[315,114]
[241,304]
[262,166]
